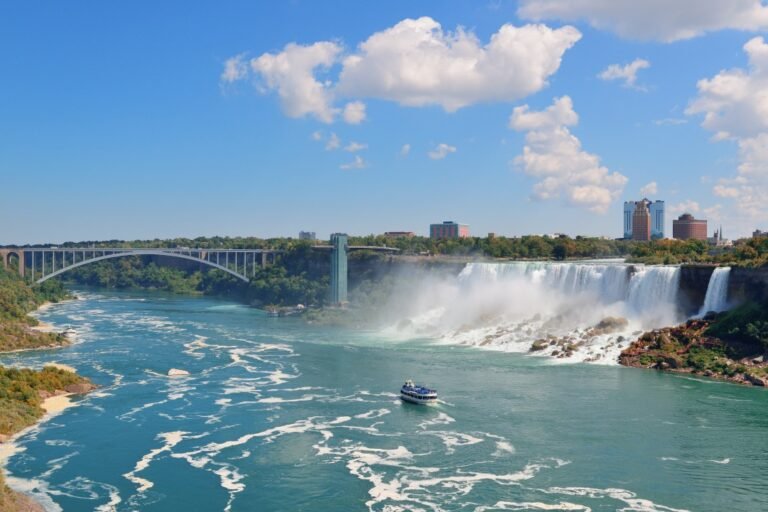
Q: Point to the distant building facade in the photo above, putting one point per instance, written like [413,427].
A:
[718,240]
[307,235]
[448,229]
[686,227]
[655,211]
[399,234]
[641,221]
[757,233]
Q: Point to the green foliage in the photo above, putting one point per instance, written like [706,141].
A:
[747,323]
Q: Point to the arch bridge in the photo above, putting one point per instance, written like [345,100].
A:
[42,264]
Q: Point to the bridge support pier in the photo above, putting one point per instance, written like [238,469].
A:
[5,255]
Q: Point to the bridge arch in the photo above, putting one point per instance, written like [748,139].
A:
[147,252]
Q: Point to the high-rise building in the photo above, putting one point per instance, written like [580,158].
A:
[629,209]
[657,219]
[448,229]
[641,221]
[686,227]
[656,212]
[307,235]
[339,268]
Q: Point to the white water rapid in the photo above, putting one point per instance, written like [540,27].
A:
[571,311]
[717,291]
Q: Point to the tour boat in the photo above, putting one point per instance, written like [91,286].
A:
[414,394]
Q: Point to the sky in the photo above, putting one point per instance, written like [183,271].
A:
[142,120]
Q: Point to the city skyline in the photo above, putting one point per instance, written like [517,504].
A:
[252,120]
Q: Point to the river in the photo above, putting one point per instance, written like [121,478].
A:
[277,414]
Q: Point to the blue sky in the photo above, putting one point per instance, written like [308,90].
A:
[116,120]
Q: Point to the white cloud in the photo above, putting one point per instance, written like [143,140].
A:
[555,157]
[416,63]
[317,136]
[292,74]
[353,147]
[235,69]
[354,112]
[662,20]
[441,151]
[689,206]
[650,189]
[405,150]
[333,142]
[628,72]
[734,104]
[357,163]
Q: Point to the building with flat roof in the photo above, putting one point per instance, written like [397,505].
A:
[641,221]
[655,211]
[307,235]
[686,227]
[399,234]
[448,229]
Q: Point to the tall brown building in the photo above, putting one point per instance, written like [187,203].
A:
[686,227]
[641,221]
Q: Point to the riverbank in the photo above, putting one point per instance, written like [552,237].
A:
[29,398]
[691,348]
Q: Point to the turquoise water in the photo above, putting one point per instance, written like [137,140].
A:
[280,415]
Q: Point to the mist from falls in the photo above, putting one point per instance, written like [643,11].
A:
[572,311]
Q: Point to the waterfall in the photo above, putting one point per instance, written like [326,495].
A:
[717,291]
[580,311]
[653,289]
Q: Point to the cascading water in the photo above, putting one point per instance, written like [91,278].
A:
[717,291]
[575,311]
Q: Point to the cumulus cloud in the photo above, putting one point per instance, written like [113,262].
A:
[357,163]
[417,63]
[627,73]
[353,147]
[414,63]
[317,136]
[405,150]
[735,102]
[235,69]
[291,73]
[441,151]
[554,156]
[689,206]
[734,105]
[661,20]
[650,189]
[354,112]
[333,142]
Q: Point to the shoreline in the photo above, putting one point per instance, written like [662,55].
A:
[53,406]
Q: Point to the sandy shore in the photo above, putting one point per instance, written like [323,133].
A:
[43,327]
[53,406]
[60,366]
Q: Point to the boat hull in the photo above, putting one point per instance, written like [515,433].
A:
[417,401]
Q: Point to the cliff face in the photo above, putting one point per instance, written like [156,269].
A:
[747,284]
[694,280]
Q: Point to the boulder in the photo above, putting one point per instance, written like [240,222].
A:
[539,345]
[755,380]
[611,324]
[175,372]
[78,389]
